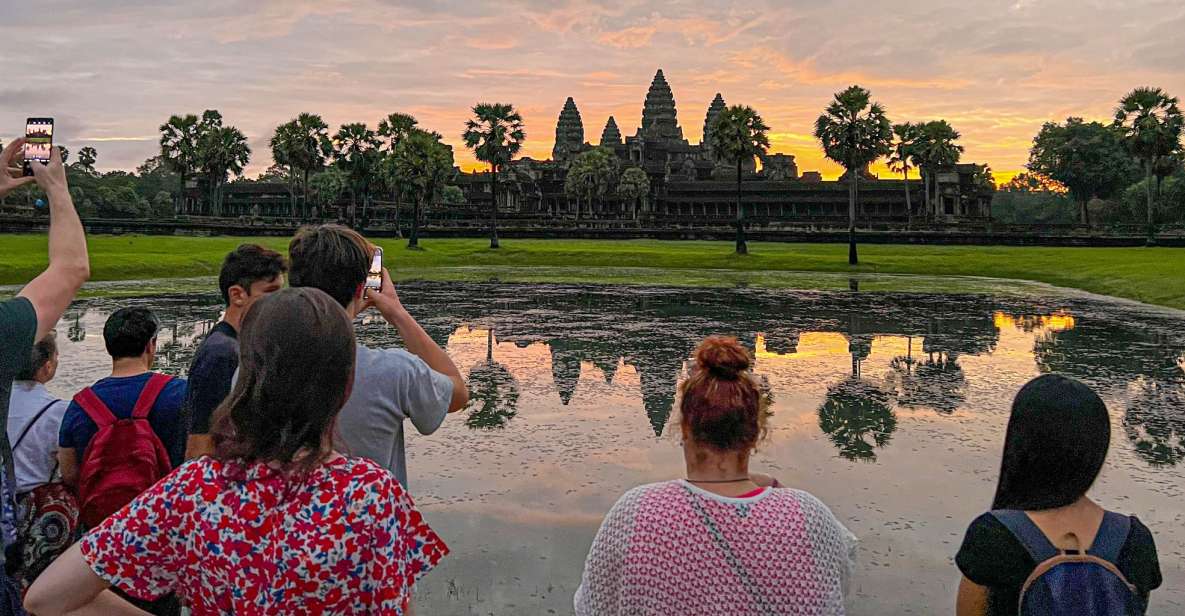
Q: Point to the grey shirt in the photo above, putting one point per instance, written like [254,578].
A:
[391,385]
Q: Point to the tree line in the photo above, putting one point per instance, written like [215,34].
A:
[1133,163]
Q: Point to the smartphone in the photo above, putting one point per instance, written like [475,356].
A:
[38,142]
[374,279]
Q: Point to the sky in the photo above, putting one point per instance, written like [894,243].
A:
[111,71]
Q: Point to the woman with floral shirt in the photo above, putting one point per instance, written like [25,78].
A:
[275,522]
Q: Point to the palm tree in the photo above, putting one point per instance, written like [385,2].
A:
[591,175]
[393,129]
[934,148]
[178,149]
[86,159]
[356,150]
[222,151]
[302,144]
[903,143]
[854,132]
[739,134]
[634,185]
[495,134]
[1151,123]
[422,163]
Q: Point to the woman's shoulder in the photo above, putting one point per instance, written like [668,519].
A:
[1138,559]
[990,554]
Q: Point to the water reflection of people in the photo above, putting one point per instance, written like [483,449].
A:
[493,400]
[717,542]
[1057,441]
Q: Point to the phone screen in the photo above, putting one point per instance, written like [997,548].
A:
[374,279]
[38,139]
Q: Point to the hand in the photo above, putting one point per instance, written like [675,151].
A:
[12,175]
[764,481]
[385,299]
[52,177]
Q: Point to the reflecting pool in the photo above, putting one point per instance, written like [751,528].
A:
[890,407]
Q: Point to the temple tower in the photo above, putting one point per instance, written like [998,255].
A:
[611,136]
[714,111]
[659,117]
[569,132]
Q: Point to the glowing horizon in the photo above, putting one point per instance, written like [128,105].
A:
[996,73]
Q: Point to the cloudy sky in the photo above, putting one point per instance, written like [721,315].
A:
[111,71]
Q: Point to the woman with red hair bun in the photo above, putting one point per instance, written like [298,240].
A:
[720,540]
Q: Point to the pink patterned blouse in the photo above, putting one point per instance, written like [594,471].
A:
[673,548]
[235,539]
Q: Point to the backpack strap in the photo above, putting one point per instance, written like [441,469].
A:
[1027,533]
[32,422]
[95,408]
[156,383]
[1111,537]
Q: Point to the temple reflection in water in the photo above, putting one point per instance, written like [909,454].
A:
[875,355]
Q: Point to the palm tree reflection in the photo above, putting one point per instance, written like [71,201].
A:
[857,414]
[1155,422]
[494,392]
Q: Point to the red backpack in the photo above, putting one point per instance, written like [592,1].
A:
[124,458]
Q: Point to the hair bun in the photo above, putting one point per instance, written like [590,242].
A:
[723,357]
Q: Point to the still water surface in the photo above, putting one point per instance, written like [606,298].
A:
[890,407]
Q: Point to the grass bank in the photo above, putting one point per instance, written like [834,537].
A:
[1153,275]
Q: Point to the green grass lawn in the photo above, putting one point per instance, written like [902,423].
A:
[1153,275]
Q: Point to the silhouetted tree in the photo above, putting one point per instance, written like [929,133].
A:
[495,134]
[739,134]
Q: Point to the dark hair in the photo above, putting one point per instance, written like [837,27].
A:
[247,264]
[42,352]
[1057,441]
[332,258]
[296,367]
[721,403]
[128,331]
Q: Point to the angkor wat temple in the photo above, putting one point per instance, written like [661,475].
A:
[689,183]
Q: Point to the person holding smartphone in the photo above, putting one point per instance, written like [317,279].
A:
[35,310]
[421,384]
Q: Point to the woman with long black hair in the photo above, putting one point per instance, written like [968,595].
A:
[276,521]
[1057,442]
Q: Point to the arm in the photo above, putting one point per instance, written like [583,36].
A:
[69,267]
[199,445]
[417,340]
[68,464]
[69,586]
[972,599]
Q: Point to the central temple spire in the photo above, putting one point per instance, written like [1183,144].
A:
[659,117]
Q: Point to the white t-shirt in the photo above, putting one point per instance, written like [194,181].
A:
[391,385]
[36,456]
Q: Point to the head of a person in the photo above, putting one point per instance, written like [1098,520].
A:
[332,258]
[131,333]
[296,370]
[721,404]
[248,273]
[43,360]
[1057,440]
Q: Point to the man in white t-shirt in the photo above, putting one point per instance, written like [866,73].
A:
[421,384]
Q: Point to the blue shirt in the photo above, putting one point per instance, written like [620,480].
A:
[210,376]
[120,395]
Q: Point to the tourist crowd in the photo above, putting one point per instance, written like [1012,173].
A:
[273,480]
